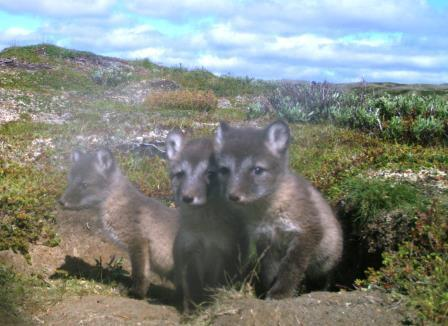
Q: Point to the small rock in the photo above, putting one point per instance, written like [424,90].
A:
[224,103]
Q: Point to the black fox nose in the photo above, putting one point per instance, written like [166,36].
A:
[61,202]
[187,199]
[234,197]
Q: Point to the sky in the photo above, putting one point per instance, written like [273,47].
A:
[334,40]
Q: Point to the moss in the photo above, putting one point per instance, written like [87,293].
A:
[368,198]
[27,203]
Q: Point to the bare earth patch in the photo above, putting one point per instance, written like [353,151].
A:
[108,311]
[316,308]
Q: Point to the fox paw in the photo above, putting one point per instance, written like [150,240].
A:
[277,293]
[138,292]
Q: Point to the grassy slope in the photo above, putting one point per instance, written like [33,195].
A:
[336,160]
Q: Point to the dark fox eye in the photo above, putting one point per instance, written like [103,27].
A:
[179,174]
[258,170]
[223,170]
[84,185]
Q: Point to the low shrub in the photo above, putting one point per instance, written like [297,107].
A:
[419,267]
[426,130]
[182,100]
[407,117]
[304,102]
[395,128]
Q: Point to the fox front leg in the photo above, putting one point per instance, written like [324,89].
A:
[291,271]
[140,269]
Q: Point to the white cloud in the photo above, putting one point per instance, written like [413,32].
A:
[181,9]
[219,64]
[16,32]
[16,36]
[155,54]
[67,8]
[399,40]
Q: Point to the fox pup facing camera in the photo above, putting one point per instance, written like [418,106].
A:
[142,226]
[295,231]
[211,242]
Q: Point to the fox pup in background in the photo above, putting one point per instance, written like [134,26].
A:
[212,241]
[143,226]
[296,233]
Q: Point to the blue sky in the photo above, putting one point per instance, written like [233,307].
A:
[339,41]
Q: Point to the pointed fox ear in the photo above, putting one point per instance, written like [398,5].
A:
[223,128]
[76,155]
[174,143]
[104,160]
[277,137]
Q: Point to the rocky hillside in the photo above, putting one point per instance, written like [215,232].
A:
[56,268]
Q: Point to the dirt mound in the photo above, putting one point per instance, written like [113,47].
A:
[83,246]
[103,310]
[83,249]
[323,308]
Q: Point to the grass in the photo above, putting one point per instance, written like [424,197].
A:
[182,100]
[25,296]
[42,53]
[203,80]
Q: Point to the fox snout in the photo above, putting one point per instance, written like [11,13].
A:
[64,203]
[194,200]
[237,197]
[235,193]
[61,201]
[234,197]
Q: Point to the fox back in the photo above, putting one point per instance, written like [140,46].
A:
[141,225]
[286,215]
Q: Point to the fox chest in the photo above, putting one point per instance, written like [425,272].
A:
[277,233]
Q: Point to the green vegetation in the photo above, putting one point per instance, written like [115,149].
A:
[43,53]
[149,174]
[203,80]
[23,296]
[418,267]
[26,206]
[407,118]
[367,149]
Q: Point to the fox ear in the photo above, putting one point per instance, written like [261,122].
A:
[76,155]
[277,137]
[174,143]
[223,128]
[104,160]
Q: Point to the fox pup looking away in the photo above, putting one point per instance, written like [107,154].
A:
[296,233]
[143,226]
[211,241]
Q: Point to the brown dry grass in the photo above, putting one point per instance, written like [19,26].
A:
[182,100]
